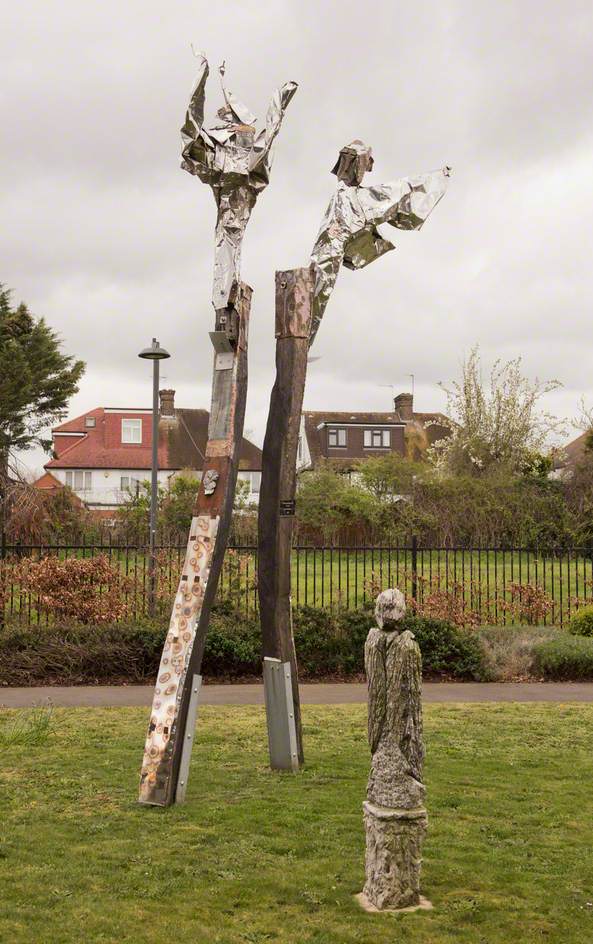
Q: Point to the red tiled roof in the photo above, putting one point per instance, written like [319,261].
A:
[182,442]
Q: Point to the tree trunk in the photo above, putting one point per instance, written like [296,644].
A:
[294,292]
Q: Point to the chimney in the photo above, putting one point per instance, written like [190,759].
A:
[403,405]
[167,406]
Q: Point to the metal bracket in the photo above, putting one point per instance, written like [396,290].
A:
[220,342]
[188,739]
[282,740]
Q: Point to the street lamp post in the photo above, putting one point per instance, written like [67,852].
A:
[155,353]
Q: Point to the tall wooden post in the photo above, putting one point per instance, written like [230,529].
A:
[160,784]
[294,294]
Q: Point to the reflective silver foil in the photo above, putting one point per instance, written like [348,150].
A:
[349,233]
[236,163]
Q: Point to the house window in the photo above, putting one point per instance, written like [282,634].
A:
[131,431]
[336,437]
[80,481]
[90,422]
[129,483]
[377,438]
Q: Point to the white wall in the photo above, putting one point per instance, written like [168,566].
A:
[106,488]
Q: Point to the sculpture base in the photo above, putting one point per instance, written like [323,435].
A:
[393,857]
[366,905]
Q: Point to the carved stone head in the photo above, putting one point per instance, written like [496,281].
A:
[390,609]
[353,163]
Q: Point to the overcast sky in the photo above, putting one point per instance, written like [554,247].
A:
[112,243]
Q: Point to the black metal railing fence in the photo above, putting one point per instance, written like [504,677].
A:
[509,586]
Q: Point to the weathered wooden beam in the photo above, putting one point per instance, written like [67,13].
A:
[184,646]
[294,294]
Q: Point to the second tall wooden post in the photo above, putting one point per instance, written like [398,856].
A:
[294,294]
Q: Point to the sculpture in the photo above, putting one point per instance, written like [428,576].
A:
[236,163]
[349,233]
[394,815]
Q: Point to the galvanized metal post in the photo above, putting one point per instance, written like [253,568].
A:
[294,295]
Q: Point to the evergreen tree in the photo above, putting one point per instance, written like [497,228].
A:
[36,382]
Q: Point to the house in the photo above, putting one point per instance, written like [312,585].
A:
[106,454]
[343,438]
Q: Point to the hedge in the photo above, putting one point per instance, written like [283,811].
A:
[568,657]
[581,623]
[328,645]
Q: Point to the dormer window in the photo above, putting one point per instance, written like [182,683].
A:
[336,438]
[90,422]
[131,431]
[377,438]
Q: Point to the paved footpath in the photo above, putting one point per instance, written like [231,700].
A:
[334,693]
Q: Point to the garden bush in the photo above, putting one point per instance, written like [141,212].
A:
[446,649]
[508,650]
[581,623]
[567,657]
[327,643]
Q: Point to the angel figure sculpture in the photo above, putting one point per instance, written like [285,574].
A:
[394,814]
[349,233]
[236,163]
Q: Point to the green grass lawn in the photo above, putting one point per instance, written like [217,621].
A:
[260,857]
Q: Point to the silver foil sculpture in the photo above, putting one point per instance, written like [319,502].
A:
[236,163]
[394,815]
[349,233]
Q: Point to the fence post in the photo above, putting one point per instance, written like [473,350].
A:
[2,577]
[414,567]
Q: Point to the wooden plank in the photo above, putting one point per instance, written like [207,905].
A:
[184,646]
[294,293]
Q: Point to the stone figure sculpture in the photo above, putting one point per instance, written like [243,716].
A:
[349,233]
[394,815]
[236,163]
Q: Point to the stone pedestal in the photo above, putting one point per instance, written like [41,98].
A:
[393,856]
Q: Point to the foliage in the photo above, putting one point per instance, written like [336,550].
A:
[529,603]
[328,645]
[581,624]
[87,590]
[567,657]
[446,649]
[327,503]
[498,425]
[389,477]
[392,499]
[578,490]
[445,603]
[508,650]
[36,378]
[37,516]
[174,505]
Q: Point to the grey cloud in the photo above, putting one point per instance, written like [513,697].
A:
[106,237]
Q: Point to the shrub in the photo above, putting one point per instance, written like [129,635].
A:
[446,649]
[84,589]
[581,623]
[568,657]
[327,643]
[508,650]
